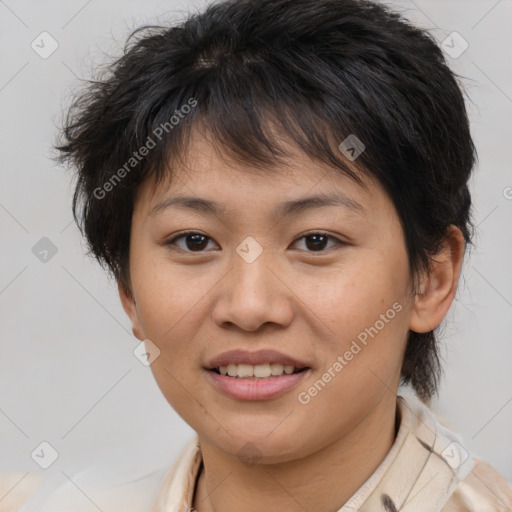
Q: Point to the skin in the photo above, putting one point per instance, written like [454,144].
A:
[310,304]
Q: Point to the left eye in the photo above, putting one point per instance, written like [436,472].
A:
[316,242]
[197,242]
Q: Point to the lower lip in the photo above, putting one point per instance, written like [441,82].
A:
[255,389]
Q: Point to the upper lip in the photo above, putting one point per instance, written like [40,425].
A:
[254,358]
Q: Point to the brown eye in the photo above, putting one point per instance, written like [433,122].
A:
[193,242]
[317,242]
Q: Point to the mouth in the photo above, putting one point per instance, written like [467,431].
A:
[258,371]
[262,375]
[250,387]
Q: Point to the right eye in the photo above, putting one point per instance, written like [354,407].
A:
[193,241]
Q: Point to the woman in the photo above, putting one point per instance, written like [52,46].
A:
[280,189]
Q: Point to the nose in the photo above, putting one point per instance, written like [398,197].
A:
[253,294]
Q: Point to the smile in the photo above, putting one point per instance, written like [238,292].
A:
[258,371]
[251,387]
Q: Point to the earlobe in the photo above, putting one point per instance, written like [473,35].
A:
[130,308]
[439,285]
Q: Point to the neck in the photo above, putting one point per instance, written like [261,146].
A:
[322,481]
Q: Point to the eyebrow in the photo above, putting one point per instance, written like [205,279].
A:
[293,207]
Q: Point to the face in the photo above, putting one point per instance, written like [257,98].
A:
[271,279]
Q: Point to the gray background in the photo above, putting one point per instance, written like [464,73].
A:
[67,372]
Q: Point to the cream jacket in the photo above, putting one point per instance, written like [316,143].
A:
[428,469]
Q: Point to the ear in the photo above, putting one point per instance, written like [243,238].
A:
[439,285]
[130,308]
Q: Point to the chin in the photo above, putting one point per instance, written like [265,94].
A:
[253,445]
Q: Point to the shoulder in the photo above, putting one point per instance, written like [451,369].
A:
[17,488]
[474,485]
[53,493]
[483,490]
[129,487]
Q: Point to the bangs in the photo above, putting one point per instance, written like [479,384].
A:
[248,107]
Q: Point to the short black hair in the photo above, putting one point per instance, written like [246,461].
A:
[318,70]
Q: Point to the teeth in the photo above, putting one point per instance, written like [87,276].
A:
[260,371]
[245,370]
[276,369]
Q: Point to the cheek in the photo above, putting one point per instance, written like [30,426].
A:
[168,301]
[167,294]
[361,358]
[367,309]
[355,295]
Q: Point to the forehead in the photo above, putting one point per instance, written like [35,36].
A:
[207,169]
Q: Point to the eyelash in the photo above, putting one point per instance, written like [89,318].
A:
[172,241]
